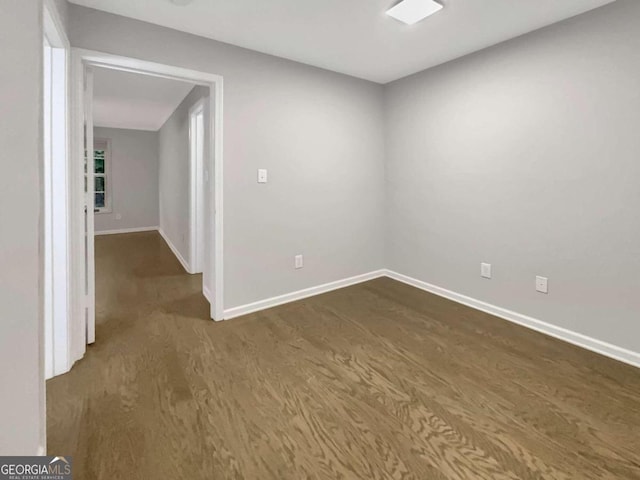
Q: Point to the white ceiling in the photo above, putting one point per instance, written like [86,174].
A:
[353,36]
[134,101]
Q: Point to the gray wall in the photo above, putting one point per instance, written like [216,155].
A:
[175,172]
[526,156]
[21,307]
[62,7]
[134,179]
[319,134]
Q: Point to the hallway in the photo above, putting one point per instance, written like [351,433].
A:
[105,412]
[378,380]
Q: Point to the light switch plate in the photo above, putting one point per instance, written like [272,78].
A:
[485,270]
[262,175]
[299,261]
[542,284]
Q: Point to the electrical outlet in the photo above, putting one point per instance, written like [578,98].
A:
[299,261]
[485,270]
[542,284]
[262,175]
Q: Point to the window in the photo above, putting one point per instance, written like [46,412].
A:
[102,186]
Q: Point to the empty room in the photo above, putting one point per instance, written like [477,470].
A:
[387,239]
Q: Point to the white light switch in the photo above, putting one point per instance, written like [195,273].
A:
[542,284]
[262,175]
[299,261]
[485,270]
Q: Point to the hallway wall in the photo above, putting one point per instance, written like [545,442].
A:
[174,172]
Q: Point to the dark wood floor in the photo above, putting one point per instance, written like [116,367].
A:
[375,381]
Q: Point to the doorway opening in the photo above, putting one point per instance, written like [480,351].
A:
[149,143]
[90,190]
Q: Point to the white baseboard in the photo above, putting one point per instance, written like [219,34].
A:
[210,298]
[125,230]
[175,251]
[589,343]
[207,294]
[300,294]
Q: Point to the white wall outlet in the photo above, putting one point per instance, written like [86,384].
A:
[299,261]
[262,175]
[485,270]
[118,216]
[542,284]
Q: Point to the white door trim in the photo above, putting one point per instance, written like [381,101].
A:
[57,350]
[196,186]
[89,309]
[55,203]
[83,59]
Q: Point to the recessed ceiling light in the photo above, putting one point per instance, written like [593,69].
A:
[412,11]
[182,3]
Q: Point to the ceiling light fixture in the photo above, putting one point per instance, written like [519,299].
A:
[181,3]
[412,11]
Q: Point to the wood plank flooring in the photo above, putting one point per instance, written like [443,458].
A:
[375,381]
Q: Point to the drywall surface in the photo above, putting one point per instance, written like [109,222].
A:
[319,134]
[133,177]
[62,7]
[22,425]
[527,156]
[175,172]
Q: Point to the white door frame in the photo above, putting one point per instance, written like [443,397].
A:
[196,187]
[85,59]
[88,217]
[56,205]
